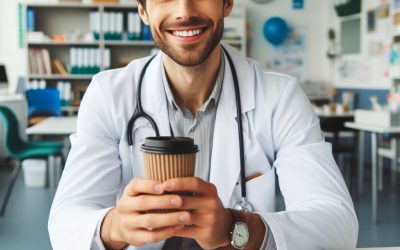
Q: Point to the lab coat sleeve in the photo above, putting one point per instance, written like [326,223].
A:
[319,211]
[91,178]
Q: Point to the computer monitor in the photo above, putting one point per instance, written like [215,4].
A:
[3,80]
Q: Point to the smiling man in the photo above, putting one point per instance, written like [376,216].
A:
[189,90]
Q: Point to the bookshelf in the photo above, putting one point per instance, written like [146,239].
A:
[71,26]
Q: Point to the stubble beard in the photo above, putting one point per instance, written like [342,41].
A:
[194,54]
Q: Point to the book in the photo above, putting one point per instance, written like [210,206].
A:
[39,61]
[59,67]
[46,61]
[32,62]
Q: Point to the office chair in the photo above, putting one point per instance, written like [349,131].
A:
[42,103]
[18,149]
[335,125]
[391,152]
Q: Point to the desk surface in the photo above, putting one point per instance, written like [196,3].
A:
[54,126]
[381,248]
[9,97]
[372,128]
[335,115]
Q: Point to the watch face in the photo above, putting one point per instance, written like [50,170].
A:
[240,235]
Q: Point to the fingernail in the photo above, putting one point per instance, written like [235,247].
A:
[174,201]
[158,188]
[183,217]
[168,185]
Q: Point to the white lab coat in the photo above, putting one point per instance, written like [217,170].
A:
[281,132]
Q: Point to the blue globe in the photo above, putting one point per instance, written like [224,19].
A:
[276,30]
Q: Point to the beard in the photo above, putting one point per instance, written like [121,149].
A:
[192,54]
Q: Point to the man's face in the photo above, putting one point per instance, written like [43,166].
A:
[186,30]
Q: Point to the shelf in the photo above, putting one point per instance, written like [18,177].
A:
[63,43]
[129,43]
[79,5]
[61,77]
[113,43]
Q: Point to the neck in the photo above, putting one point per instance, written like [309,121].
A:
[191,86]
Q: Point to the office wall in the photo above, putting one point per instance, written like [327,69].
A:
[371,67]
[11,55]
[315,17]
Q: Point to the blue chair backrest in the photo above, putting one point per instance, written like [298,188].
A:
[43,102]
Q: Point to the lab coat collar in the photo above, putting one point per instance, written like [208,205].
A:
[245,78]
[154,98]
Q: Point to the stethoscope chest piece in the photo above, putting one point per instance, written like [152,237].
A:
[243,205]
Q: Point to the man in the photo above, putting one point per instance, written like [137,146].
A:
[188,88]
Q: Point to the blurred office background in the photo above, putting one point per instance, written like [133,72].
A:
[345,54]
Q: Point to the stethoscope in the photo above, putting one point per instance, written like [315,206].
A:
[242,205]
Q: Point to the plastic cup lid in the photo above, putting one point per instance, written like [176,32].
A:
[170,145]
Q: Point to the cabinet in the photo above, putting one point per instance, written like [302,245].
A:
[72,26]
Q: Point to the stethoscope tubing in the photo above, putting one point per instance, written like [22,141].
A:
[141,113]
[240,125]
[139,108]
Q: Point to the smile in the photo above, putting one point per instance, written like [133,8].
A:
[187,33]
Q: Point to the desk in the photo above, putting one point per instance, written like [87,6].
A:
[54,126]
[61,126]
[374,130]
[381,248]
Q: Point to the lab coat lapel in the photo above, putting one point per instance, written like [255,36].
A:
[154,100]
[225,160]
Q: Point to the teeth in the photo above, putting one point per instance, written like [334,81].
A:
[187,33]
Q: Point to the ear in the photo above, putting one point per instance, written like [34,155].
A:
[228,5]
[142,12]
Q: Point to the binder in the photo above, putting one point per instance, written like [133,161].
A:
[30,20]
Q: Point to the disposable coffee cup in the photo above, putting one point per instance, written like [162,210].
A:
[169,157]
[166,158]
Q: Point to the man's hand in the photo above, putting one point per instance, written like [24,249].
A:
[128,223]
[209,221]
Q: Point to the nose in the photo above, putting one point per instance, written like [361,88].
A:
[185,10]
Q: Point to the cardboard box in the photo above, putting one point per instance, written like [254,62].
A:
[379,118]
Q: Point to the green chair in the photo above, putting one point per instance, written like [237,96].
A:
[19,149]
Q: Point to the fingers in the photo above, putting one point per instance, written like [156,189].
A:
[157,221]
[190,184]
[189,232]
[155,235]
[143,186]
[144,203]
[201,204]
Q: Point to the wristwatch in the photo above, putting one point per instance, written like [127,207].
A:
[240,232]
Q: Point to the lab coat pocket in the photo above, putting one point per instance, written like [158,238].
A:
[260,192]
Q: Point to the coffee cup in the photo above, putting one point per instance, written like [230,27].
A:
[165,158]
[169,157]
